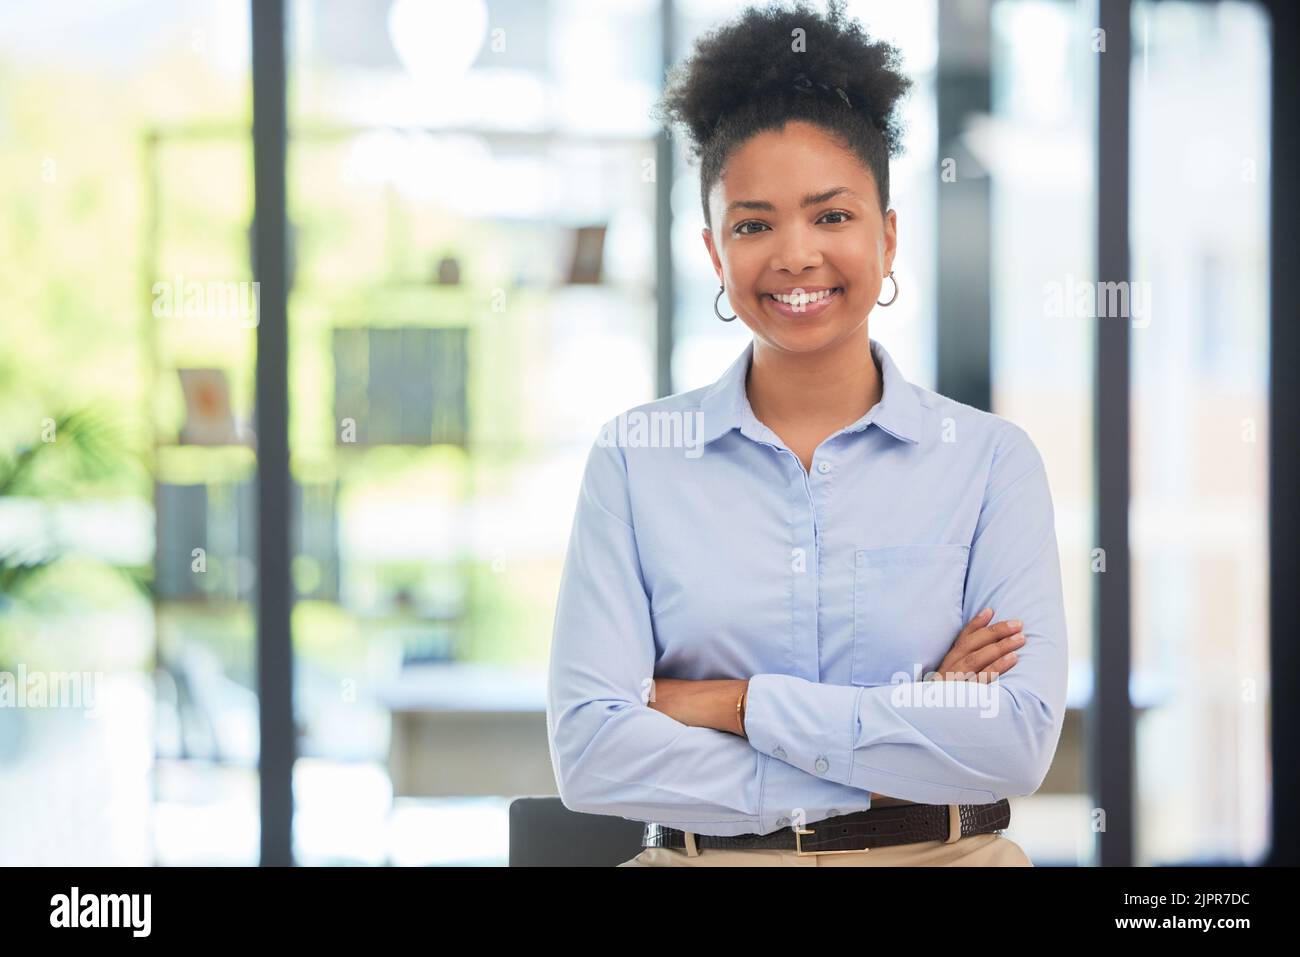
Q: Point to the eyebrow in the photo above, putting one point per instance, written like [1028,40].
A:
[812,199]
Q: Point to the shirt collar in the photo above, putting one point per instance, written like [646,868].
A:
[725,404]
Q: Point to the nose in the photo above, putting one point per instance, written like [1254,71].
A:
[796,250]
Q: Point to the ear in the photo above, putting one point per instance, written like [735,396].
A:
[891,239]
[707,235]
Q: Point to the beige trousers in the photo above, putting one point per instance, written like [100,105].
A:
[977,850]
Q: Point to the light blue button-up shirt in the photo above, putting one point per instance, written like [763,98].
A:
[702,549]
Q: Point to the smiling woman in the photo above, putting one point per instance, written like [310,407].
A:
[793,118]
[743,625]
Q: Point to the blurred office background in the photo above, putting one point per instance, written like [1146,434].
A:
[481,222]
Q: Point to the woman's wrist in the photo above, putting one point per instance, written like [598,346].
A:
[736,700]
[744,704]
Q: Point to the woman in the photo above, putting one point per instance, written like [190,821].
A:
[764,573]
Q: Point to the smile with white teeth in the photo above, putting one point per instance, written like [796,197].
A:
[803,298]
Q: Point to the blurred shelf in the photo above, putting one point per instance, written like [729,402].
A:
[223,446]
[157,134]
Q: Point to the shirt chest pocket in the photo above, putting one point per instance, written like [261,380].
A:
[907,608]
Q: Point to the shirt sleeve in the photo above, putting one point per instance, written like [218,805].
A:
[610,751]
[934,742]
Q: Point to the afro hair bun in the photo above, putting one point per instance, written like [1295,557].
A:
[765,49]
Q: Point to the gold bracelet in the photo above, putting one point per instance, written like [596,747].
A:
[740,705]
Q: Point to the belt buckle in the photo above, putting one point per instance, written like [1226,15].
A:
[799,851]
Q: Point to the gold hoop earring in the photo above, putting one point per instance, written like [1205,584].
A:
[715,306]
[894,296]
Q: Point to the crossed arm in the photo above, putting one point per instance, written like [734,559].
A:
[616,752]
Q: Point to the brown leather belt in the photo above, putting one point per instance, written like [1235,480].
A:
[846,833]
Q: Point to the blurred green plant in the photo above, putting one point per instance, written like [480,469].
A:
[75,452]
[74,448]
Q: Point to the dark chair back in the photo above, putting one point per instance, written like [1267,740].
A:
[545,833]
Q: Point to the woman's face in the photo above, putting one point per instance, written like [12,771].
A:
[764,239]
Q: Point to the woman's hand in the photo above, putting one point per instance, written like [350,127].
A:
[981,652]
[700,704]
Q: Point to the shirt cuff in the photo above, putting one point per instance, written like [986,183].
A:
[809,725]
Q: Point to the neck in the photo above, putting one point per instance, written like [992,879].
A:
[826,389]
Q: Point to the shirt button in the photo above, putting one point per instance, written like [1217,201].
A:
[779,752]
[823,467]
[821,765]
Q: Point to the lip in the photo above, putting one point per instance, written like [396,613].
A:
[808,311]
[791,290]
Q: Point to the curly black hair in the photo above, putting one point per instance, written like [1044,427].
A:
[778,63]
